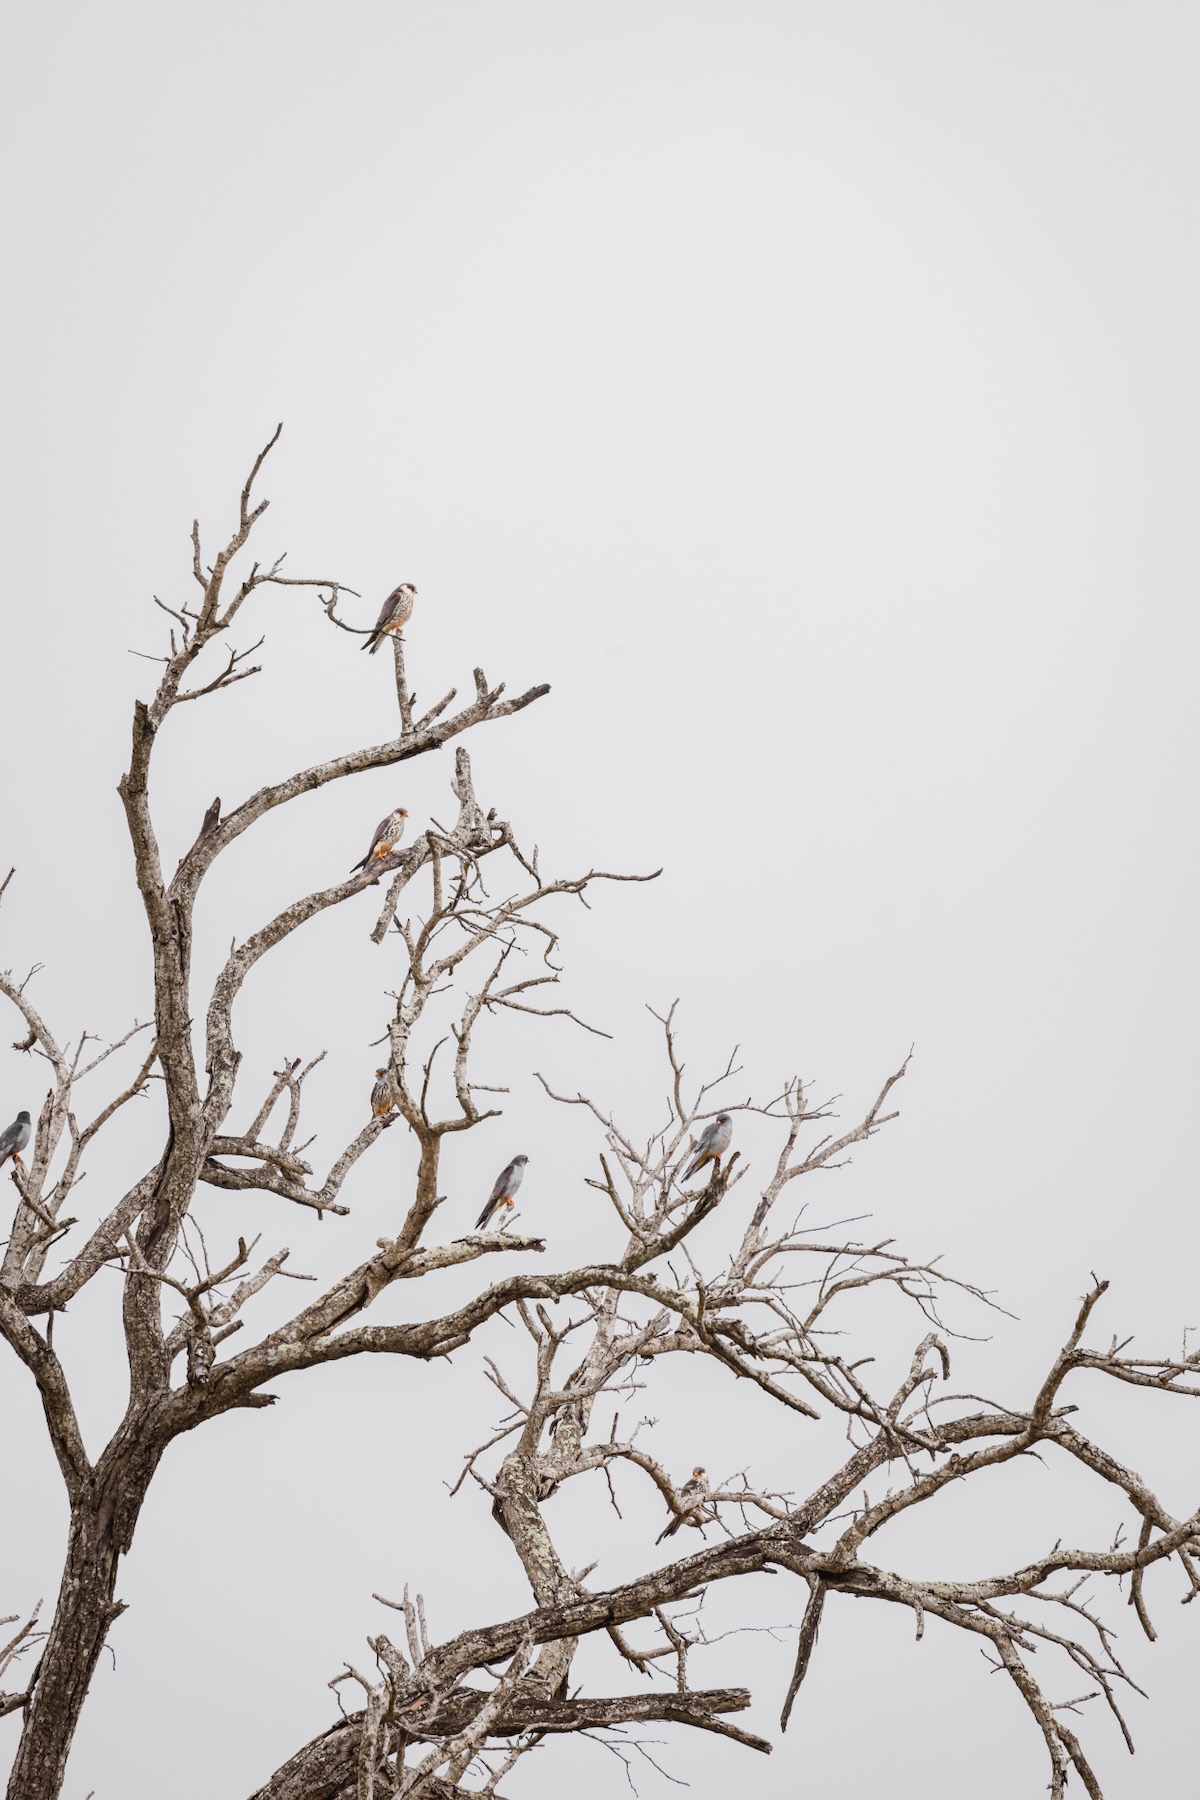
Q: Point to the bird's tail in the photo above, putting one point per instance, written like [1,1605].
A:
[669,1529]
[361,865]
[484,1216]
[373,642]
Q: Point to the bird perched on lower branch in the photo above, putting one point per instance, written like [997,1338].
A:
[692,1494]
[394,615]
[388,833]
[714,1142]
[14,1138]
[505,1191]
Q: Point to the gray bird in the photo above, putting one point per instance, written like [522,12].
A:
[388,833]
[394,615]
[714,1142]
[14,1138]
[693,1494]
[505,1191]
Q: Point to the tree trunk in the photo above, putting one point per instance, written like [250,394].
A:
[100,1532]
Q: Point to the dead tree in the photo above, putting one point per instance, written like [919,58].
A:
[456,1717]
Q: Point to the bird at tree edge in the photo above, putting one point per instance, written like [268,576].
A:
[14,1138]
[394,615]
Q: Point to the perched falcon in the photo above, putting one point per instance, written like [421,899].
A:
[505,1191]
[14,1138]
[383,1101]
[714,1142]
[201,1355]
[388,833]
[394,615]
[693,1494]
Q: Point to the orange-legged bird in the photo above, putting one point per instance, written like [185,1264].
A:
[714,1142]
[14,1138]
[505,1191]
[394,615]
[388,833]
[693,1493]
[383,1101]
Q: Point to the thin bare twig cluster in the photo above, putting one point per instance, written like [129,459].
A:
[777,1312]
[18,1646]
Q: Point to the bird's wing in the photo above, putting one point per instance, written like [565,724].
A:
[382,830]
[703,1149]
[501,1189]
[10,1138]
[374,637]
[388,609]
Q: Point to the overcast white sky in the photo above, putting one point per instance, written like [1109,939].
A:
[807,392]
